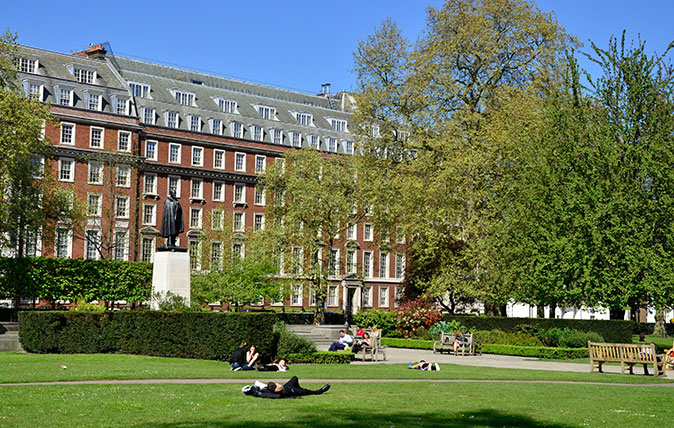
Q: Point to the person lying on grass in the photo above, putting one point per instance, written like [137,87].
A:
[424,365]
[290,389]
[276,366]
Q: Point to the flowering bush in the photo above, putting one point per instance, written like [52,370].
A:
[414,314]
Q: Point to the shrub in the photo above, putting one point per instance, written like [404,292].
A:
[307,318]
[579,339]
[87,307]
[416,313]
[407,343]
[505,338]
[386,321]
[211,336]
[321,357]
[290,343]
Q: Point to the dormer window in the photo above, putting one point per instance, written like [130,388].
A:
[183,97]
[237,129]
[226,106]
[256,132]
[348,147]
[33,90]
[267,112]
[305,119]
[120,105]
[338,125]
[92,100]
[194,123]
[27,65]
[216,126]
[140,90]
[171,119]
[64,96]
[148,116]
[331,144]
[295,139]
[314,141]
[83,75]
[276,136]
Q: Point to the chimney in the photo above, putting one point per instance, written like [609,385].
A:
[94,52]
[325,90]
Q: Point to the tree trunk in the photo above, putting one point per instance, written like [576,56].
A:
[659,329]
[540,311]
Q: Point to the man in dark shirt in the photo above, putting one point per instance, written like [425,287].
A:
[238,360]
[290,389]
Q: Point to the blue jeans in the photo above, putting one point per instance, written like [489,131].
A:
[337,346]
[243,366]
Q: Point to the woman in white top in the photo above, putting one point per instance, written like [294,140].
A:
[252,356]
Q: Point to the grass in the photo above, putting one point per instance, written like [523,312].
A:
[47,367]
[345,405]
[661,342]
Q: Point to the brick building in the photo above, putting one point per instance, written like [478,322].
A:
[130,131]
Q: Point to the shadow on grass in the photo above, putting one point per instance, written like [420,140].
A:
[483,418]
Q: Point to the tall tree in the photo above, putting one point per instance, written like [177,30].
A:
[421,112]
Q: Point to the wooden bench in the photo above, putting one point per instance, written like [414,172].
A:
[626,354]
[446,343]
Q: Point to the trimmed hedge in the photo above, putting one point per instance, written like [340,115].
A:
[321,357]
[490,348]
[203,335]
[647,327]
[613,331]
[307,318]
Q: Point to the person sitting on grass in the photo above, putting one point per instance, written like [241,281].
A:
[252,357]
[365,341]
[290,389]
[277,366]
[424,365]
[238,359]
[344,342]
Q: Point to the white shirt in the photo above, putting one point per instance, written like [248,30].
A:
[345,339]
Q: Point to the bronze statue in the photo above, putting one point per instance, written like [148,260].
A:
[172,220]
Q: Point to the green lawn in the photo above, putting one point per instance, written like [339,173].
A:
[660,342]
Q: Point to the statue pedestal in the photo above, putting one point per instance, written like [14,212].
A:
[171,273]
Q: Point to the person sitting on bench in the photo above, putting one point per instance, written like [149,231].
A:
[344,341]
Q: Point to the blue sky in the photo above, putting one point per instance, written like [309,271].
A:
[296,44]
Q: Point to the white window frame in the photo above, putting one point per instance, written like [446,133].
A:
[349,147]
[368,267]
[367,296]
[368,237]
[153,188]
[101,142]
[384,268]
[295,139]
[314,141]
[88,245]
[217,219]
[59,92]
[128,141]
[196,221]
[180,149]
[276,136]
[147,254]
[118,101]
[184,98]
[258,169]
[72,135]
[125,245]
[123,170]
[400,265]
[256,133]
[226,105]
[236,129]
[259,199]
[71,169]
[242,199]
[217,152]
[255,222]
[156,144]
[167,116]
[333,298]
[95,164]
[98,209]
[296,295]
[351,261]
[143,88]
[241,215]
[266,112]
[351,232]
[178,180]
[331,144]
[192,124]
[339,125]
[118,214]
[304,118]
[214,196]
[89,96]
[153,220]
[216,126]
[237,156]
[144,116]
[198,184]
[333,267]
[69,242]
[200,159]
[385,302]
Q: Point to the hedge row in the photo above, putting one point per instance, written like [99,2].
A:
[613,331]
[203,335]
[75,279]
[647,328]
[321,357]
[307,318]
[407,343]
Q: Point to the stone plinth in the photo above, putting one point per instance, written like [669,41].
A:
[171,273]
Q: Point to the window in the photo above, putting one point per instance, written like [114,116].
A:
[276,136]
[367,232]
[122,207]
[173,185]
[92,101]
[174,153]
[398,295]
[237,251]
[331,144]
[196,191]
[295,139]
[149,214]
[239,222]
[151,150]
[216,126]
[239,193]
[219,159]
[64,96]
[84,76]
[92,243]
[333,269]
[348,147]
[237,130]
[296,295]
[171,119]
[351,231]
[66,169]
[149,183]
[216,255]
[95,172]
[267,112]
[140,90]
[96,138]
[297,258]
[240,162]
[367,296]
[312,298]
[260,164]
[147,249]
[124,141]
[68,133]
[227,106]
[184,98]
[256,133]
[195,218]
[197,156]
[314,142]
[400,265]
[367,264]
[195,123]
[37,162]
[350,261]
[304,119]
[27,65]
[94,204]
[121,250]
[62,244]
[383,265]
[218,191]
[259,195]
[400,236]
[195,254]
[332,295]
[123,176]
[383,297]
[217,219]
[33,90]
[148,116]
[258,221]
[121,106]
[338,124]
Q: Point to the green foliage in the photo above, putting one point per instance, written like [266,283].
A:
[406,343]
[500,337]
[537,352]
[321,357]
[386,321]
[614,331]
[414,315]
[75,279]
[212,336]
[170,302]
[291,344]
[87,307]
